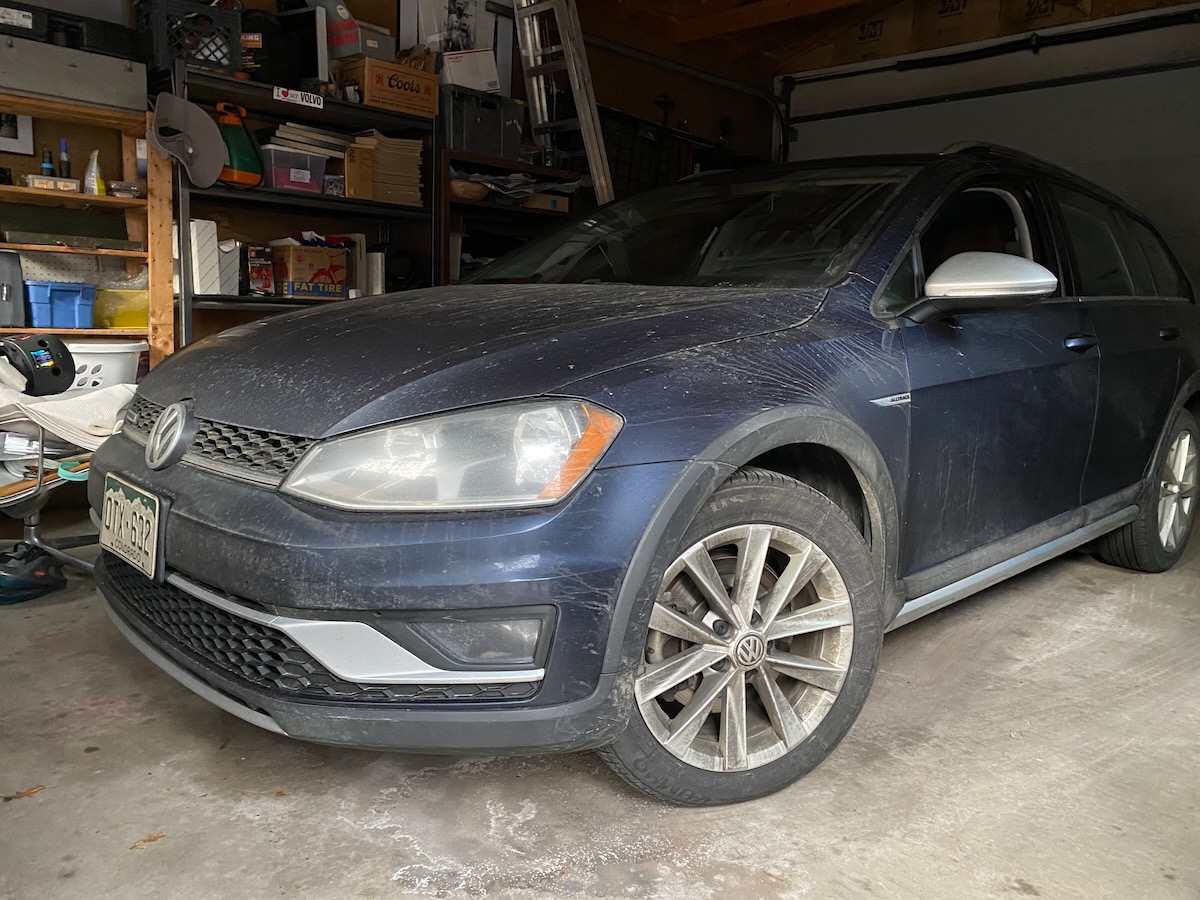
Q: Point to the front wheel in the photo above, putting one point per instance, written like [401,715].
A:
[1154,541]
[762,644]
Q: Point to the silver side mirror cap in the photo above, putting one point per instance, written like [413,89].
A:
[977,275]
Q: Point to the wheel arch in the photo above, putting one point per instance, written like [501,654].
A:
[748,443]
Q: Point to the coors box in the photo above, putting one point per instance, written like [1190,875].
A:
[313,273]
[389,86]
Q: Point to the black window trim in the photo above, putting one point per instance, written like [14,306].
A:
[1112,202]
[1041,232]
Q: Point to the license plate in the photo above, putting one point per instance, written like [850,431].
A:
[129,526]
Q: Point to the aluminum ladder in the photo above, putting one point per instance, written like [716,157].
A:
[539,22]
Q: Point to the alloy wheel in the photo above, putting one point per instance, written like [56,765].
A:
[1177,496]
[749,644]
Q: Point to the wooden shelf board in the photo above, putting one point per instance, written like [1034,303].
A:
[107,332]
[76,251]
[127,121]
[65,200]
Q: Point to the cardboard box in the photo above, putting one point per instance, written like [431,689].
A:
[882,36]
[474,69]
[360,172]
[389,86]
[1020,16]
[312,273]
[943,23]
[359,39]
[555,202]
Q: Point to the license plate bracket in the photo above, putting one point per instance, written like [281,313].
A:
[133,525]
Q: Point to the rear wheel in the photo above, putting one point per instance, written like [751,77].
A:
[761,647]
[1155,540]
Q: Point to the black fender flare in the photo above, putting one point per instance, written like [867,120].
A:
[701,478]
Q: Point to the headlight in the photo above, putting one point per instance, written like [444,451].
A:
[522,454]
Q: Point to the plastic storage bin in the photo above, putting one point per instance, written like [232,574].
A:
[53,304]
[121,309]
[475,122]
[294,170]
[104,362]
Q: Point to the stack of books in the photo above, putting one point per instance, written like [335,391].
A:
[294,136]
[395,166]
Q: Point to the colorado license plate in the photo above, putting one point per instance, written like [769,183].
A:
[129,524]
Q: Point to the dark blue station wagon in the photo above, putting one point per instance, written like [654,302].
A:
[659,483]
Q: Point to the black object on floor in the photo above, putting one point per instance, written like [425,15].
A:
[27,572]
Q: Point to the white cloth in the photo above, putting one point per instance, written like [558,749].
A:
[82,417]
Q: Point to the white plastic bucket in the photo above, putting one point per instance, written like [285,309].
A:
[104,362]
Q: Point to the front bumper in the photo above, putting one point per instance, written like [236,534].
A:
[479,728]
[294,560]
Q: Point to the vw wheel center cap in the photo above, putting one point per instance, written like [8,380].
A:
[750,650]
[170,437]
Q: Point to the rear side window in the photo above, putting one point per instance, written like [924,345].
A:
[1169,280]
[1095,235]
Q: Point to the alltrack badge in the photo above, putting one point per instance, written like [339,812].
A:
[170,437]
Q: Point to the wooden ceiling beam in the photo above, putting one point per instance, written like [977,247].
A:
[751,15]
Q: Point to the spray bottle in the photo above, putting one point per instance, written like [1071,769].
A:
[93,181]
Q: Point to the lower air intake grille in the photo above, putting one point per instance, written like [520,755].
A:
[264,657]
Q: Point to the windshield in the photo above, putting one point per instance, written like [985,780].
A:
[795,228]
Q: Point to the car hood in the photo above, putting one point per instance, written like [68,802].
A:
[354,364]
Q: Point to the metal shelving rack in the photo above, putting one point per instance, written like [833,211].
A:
[207,88]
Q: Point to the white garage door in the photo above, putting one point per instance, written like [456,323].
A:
[1138,135]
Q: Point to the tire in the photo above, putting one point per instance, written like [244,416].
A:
[829,620]
[1151,543]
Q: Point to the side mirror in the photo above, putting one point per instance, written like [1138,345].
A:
[982,281]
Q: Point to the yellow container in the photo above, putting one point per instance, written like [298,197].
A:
[121,309]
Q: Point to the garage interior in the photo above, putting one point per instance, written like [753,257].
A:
[1036,740]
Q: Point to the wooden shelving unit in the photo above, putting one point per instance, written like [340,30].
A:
[147,220]
[65,200]
[94,332]
[75,251]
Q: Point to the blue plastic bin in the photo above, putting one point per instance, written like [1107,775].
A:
[53,304]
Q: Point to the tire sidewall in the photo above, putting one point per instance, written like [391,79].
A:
[1163,558]
[792,505]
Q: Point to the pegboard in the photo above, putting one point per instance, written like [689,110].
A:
[69,268]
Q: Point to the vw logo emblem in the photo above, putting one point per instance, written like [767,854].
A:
[170,437]
[750,651]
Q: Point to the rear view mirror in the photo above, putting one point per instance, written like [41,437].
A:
[978,280]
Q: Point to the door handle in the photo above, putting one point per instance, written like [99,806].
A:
[1169,333]
[1080,343]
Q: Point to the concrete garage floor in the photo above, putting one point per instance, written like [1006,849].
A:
[1039,740]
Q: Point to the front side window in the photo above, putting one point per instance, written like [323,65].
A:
[796,228]
[1094,231]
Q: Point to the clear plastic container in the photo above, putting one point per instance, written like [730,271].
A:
[121,308]
[293,170]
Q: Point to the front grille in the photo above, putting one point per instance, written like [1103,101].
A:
[263,657]
[264,456]
[141,415]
